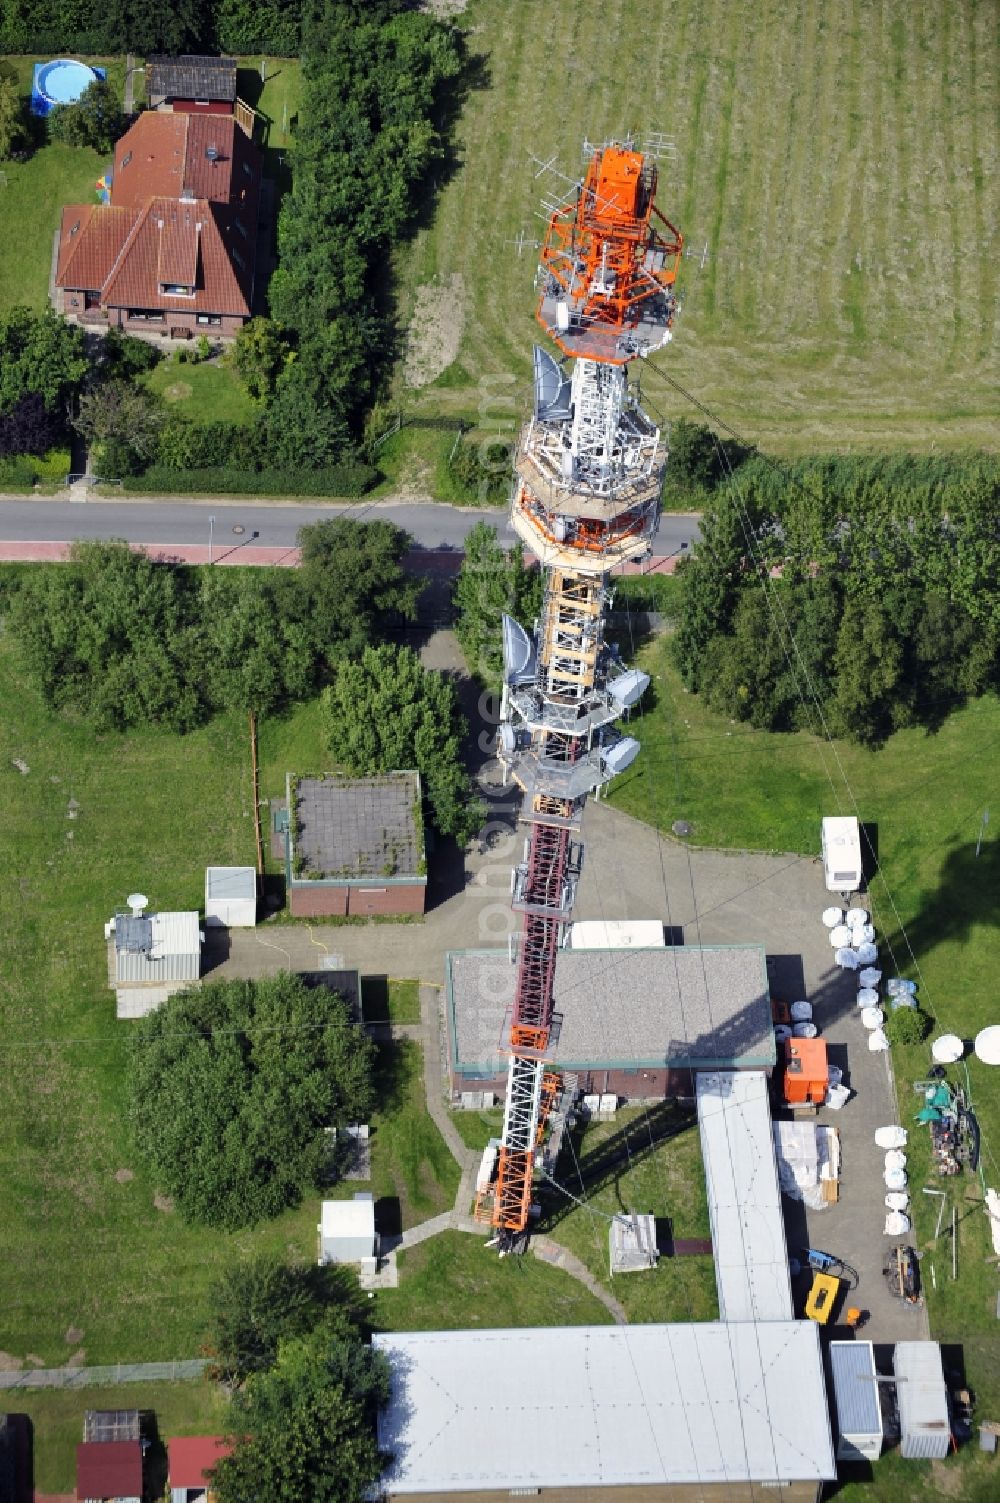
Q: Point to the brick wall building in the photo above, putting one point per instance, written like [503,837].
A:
[355,846]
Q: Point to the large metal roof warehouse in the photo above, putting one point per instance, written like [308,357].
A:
[707,1412]
[633,1021]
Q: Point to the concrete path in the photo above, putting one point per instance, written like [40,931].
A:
[94,1377]
[128,103]
[548,1251]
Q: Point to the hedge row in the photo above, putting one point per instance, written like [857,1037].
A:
[17,473]
[336,481]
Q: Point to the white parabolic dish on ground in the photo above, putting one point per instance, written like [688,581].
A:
[987,1045]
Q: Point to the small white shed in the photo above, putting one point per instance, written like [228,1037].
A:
[922,1400]
[858,1413]
[230,897]
[841,854]
[347,1230]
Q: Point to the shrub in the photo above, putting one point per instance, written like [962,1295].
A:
[907,1025]
[336,481]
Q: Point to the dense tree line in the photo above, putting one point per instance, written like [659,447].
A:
[123,641]
[231,1088]
[373,76]
[492,582]
[62,27]
[858,595]
[384,710]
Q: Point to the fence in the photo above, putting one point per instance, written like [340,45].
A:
[97,1377]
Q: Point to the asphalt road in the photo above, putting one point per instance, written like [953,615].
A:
[433,525]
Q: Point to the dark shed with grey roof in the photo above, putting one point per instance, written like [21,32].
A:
[191,78]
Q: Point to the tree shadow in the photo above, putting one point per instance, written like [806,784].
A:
[391,1076]
[964,899]
[585,1174]
[473,75]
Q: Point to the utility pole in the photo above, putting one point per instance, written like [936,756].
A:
[256,799]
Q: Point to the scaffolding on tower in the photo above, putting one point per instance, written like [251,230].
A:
[589,475]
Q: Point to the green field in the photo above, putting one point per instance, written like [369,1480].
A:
[208,392]
[667,1181]
[837,165]
[450,1284]
[196,1408]
[935,903]
[83,1247]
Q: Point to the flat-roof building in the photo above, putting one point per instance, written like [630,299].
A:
[633,1022]
[744,1202]
[709,1412]
[355,845]
[151,956]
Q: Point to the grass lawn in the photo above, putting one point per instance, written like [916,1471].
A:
[413,1174]
[449,1283]
[36,191]
[81,1245]
[209,392]
[665,1180]
[926,793]
[195,1408]
[404,1001]
[386,1000]
[476,1128]
[842,286]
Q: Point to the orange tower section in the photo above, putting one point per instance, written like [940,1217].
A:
[586,499]
[610,262]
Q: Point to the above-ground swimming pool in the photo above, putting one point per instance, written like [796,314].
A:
[60,82]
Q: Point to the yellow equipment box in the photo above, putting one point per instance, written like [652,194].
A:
[822,1297]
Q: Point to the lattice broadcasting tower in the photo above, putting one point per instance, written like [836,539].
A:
[589,474]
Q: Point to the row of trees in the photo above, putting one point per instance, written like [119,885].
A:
[306,1385]
[853,595]
[123,641]
[61,27]
[374,73]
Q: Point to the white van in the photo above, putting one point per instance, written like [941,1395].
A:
[842,855]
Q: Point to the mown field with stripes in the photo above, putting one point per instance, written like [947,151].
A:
[835,173]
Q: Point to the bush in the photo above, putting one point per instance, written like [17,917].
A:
[17,473]
[335,482]
[907,1025]
[123,357]
[231,1090]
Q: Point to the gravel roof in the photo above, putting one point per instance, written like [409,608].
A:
[358,827]
[707,1006]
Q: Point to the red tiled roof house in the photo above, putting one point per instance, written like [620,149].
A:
[174,251]
[190,1459]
